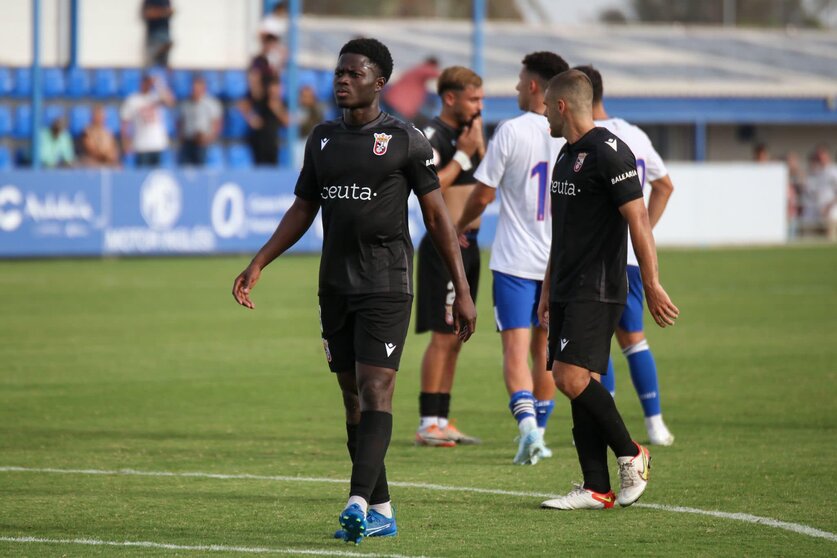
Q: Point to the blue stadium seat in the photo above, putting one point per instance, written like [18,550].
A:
[214,157]
[307,76]
[23,82]
[52,82]
[235,126]
[6,162]
[235,84]
[105,83]
[5,121]
[7,83]
[80,116]
[78,83]
[325,85]
[129,160]
[51,112]
[167,159]
[23,122]
[239,156]
[181,84]
[130,82]
[170,119]
[112,119]
[214,83]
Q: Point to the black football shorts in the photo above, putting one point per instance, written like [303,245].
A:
[580,333]
[367,328]
[434,291]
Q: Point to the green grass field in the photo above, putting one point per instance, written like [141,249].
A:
[149,365]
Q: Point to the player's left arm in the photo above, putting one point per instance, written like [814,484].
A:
[660,306]
[441,230]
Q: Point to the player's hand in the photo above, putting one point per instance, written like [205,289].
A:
[543,311]
[464,316]
[463,240]
[244,283]
[660,306]
[476,129]
[467,140]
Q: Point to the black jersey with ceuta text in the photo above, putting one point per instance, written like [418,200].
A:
[361,177]
[591,179]
[443,141]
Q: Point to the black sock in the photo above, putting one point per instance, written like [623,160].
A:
[444,404]
[429,404]
[599,403]
[380,493]
[373,435]
[591,449]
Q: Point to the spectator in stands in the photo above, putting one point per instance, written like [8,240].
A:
[158,43]
[761,153]
[56,145]
[311,113]
[405,97]
[267,62]
[796,184]
[98,144]
[265,113]
[275,24]
[200,124]
[143,121]
[822,183]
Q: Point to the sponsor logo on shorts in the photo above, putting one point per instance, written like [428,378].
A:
[564,343]
[389,347]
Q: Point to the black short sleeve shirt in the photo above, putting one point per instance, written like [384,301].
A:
[591,179]
[362,178]
[443,141]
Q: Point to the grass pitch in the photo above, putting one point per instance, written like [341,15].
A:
[149,365]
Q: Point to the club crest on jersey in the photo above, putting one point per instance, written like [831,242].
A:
[579,161]
[381,143]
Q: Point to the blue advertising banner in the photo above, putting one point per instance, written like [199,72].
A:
[116,213]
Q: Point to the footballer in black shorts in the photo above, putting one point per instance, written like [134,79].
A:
[359,170]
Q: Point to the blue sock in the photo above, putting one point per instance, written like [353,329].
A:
[522,405]
[644,376]
[543,410]
[609,379]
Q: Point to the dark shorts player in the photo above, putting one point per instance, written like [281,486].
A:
[359,171]
[458,146]
[596,195]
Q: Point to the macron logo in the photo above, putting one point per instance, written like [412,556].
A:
[612,143]
[564,343]
[324,141]
[389,347]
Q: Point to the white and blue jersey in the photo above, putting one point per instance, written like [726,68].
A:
[650,167]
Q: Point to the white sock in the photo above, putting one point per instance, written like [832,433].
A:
[443,422]
[542,429]
[428,421]
[655,422]
[527,425]
[384,509]
[359,501]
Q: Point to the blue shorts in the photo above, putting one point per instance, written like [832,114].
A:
[515,301]
[631,320]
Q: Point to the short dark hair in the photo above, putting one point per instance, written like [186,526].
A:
[575,88]
[457,78]
[374,50]
[545,65]
[595,80]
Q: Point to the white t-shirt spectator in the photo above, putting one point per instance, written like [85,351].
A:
[145,114]
[198,117]
[518,162]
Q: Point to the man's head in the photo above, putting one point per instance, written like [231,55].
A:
[569,99]
[98,117]
[538,69]
[364,67]
[198,87]
[460,90]
[595,80]
[147,83]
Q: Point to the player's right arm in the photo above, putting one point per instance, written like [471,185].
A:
[293,225]
[661,190]
[480,197]
[543,302]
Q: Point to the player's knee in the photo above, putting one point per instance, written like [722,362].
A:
[629,338]
[637,347]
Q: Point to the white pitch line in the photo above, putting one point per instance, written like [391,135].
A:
[202,548]
[743,517]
